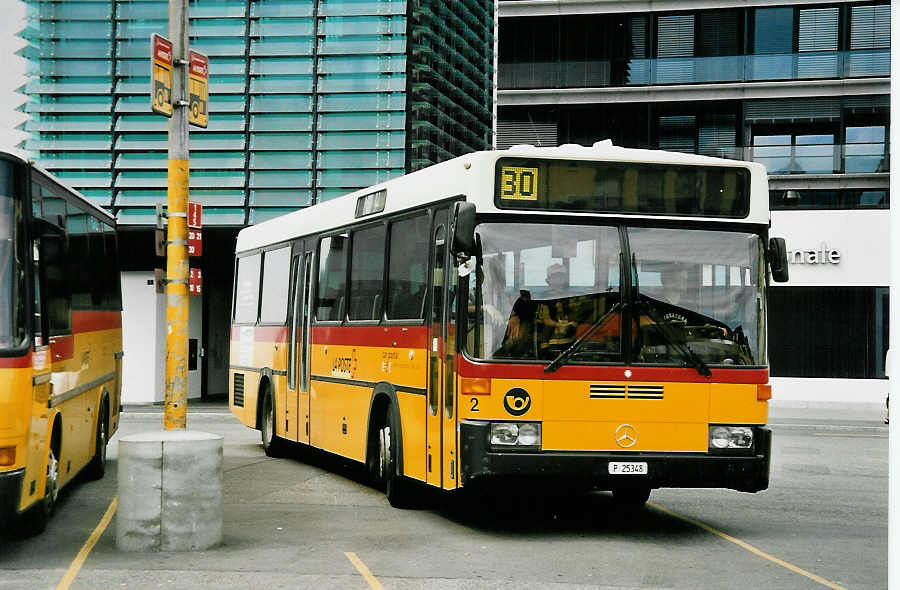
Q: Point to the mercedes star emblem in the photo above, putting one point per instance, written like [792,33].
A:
[626,436]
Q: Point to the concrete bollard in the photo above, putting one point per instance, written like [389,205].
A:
[170,491]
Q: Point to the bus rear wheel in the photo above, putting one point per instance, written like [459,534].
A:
[397,488]
[273,445]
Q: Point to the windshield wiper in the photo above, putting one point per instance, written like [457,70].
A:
[564,355]
[683,348]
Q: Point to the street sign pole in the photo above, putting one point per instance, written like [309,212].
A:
[176,246]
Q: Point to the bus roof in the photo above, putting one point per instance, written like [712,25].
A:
[97,210]
[473,175]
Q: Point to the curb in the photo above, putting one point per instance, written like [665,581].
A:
[846,428]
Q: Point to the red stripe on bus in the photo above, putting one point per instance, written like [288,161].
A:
[386,336]
[62,348]
[16,362]
[468,368]
[95,321]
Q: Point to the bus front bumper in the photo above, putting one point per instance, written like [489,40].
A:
[746,473]
[10,488]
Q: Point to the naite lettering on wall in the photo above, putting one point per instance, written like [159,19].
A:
[823,255]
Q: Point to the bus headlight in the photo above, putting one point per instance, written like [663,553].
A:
[730,437]
[516,434]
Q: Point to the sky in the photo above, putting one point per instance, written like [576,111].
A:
[12,68]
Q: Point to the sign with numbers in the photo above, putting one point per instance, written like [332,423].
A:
[518,184]
[195,282]
[161,75]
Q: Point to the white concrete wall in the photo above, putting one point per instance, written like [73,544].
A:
[143,319]
[861,237]
[863,240]
[791,392]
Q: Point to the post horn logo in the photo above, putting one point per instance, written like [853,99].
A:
[517,401]
[626,436]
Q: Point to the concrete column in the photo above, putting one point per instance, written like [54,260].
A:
[170,491]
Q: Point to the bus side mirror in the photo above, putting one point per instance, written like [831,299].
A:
[778,262]
[462,230]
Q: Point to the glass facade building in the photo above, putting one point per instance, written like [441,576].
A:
[309,99]
[802,88]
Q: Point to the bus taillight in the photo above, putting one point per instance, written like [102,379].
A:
[7,456]
[763,392]
[474,386]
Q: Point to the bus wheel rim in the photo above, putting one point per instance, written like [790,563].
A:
[52,484]
[269,421]
[384,451]
[101,440]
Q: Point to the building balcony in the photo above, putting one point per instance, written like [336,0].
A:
[817,65]
[851,158]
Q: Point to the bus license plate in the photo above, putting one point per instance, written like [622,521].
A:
[628,468]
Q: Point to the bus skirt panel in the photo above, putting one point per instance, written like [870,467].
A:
[10,489]
[746,473]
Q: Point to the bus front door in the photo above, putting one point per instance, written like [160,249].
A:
[441,463]
[298,361]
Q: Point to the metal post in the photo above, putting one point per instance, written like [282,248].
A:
[176,245]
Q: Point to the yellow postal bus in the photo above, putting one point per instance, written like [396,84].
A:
[60,340]
[589,313]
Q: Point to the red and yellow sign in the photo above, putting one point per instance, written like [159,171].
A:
[198,103]
[161,75]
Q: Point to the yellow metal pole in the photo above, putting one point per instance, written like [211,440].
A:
[176,245]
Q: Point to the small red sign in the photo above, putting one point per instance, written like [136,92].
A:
[195,242]
[195,282]
[195,215]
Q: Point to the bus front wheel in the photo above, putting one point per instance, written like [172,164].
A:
[631,497]
[35,520]
[396,487]
[273,445]
[96,469]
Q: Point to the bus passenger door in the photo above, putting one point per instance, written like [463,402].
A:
[436,349]
[298,366]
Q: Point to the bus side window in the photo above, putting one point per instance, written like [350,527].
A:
[406,269]
[275,286]
[330,304]
[246,289]
[367,273]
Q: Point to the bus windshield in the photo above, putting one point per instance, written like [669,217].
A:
[543,289]
[12,329]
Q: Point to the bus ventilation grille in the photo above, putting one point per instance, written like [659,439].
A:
[607,392]
[239,390]
[645,391]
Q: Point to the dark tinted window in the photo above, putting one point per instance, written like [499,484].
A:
[367,274]
[331,303]
[629,187]
[276,279]
[246,289]
[836,332]
[406,270]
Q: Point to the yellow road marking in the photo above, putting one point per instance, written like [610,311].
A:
[364,571]
[88,545]
[749,547]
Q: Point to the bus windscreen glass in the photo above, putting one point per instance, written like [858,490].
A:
[622,187]
[540,288]
[12,328]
